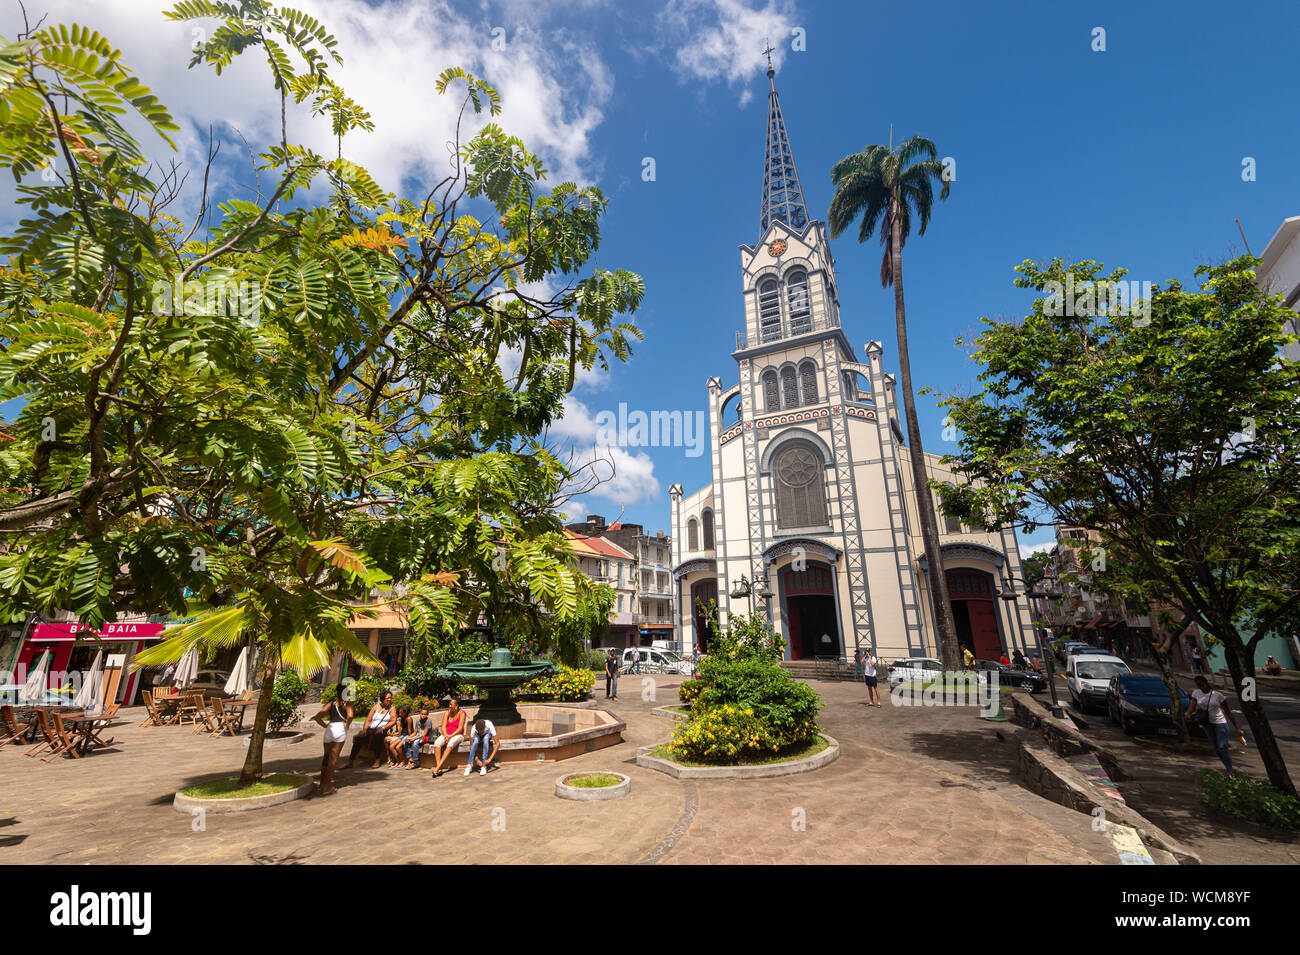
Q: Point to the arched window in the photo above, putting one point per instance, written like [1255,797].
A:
[808,382]
[692,535]
[708,529]
[771,392]
[850,387]
[789,388]
[769,310]
[796,286]
[800,486]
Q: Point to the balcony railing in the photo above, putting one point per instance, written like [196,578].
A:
[653,618]
[787,331]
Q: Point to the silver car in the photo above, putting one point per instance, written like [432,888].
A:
[655,661]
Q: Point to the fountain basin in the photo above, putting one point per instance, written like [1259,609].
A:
[497,676]
[534,740]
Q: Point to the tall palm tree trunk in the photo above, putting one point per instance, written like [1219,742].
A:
[946,628]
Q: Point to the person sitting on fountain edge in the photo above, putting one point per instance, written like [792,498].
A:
[452,735]
[483,746]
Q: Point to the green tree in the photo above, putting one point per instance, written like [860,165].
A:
[291,411]
[1170,427]
[884,187]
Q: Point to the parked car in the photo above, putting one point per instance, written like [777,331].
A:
[210,681]
[1139,703]
[1009,676]
[1063,649]
[655,661]
[1088,677]
[914,670]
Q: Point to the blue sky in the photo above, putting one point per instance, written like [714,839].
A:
[1132,156]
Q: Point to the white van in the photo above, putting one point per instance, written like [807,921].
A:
[1088,677]
[654,660]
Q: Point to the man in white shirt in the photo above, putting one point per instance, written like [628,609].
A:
[482,738]
[1220,715]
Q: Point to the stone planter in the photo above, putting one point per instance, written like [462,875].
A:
[280,740]
[581,794]
[804,764]
[187,804]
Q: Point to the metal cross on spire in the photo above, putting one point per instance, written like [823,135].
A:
[782,194]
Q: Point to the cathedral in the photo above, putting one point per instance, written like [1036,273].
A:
[810,515]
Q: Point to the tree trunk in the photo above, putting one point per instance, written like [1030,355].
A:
[252,770]
[1242,667]
[1171,687]
[946,628]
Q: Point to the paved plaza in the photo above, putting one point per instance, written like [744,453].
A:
[912,785]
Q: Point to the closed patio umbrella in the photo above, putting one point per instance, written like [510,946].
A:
[34,690]
[88,696]
[239,675]
[188,669]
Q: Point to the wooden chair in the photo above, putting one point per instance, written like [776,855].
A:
[151,709]
[204,722]
[188,709]
[226,720]
[12,729]
[65,741]
[43,727]
[105,720]
[248,694]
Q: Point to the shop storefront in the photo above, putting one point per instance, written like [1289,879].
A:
[72,648]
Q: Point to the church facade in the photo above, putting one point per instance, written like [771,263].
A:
[811,489]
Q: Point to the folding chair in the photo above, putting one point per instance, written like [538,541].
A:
[104,721]
[151,708]
[226,720]
[64,742]
[204,722]
[43,726]
[12,729]
[189,708]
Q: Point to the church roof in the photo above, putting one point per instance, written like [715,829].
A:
[782,194]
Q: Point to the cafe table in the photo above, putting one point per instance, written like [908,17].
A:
[242,706]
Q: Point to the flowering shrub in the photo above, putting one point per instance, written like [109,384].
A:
[746,637]
[290,689]
[416,702]
[787,707]
[724,734]
[569,685]
[690,691]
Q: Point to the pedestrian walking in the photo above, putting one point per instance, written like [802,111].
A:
[611,676]
[858,672]
[869,677]
[636,659]
[1216,717]
[695,660]
[967,658]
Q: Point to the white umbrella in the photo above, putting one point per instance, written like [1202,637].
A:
[35,688]
[87,697]
[239,675]
[188,669]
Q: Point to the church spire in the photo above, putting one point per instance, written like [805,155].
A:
[782,195]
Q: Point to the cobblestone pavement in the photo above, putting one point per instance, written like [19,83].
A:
[912,785]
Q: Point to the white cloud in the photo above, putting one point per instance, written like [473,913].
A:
[627,479]
[1041,548]
[553,83]
[723,40]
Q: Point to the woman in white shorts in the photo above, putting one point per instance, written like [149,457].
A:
[335,717]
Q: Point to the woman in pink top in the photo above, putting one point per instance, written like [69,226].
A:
[453,734]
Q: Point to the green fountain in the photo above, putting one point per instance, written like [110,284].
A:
[497,676]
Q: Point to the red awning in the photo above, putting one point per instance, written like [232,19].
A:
[112,632]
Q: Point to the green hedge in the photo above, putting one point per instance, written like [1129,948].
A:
[290,690]
[1253,800]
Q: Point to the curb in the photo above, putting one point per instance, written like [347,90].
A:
[804,765]
[283,741]
[580,794]
[188,804]
[666,712]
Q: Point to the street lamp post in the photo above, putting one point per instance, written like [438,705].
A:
[1049,590]
[748,590]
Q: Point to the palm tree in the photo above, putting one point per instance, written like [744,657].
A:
[886,186]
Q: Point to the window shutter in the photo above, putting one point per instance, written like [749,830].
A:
[771,392]
[769,310]
[808,376]
[789,388]
[797,295]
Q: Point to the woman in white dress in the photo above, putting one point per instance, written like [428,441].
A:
[334,717]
